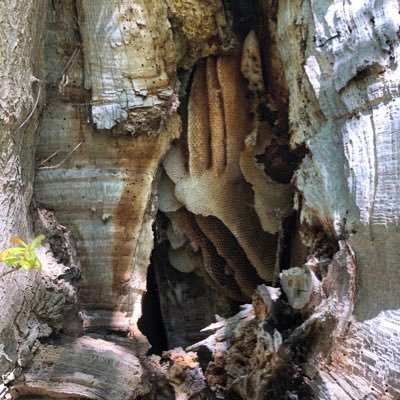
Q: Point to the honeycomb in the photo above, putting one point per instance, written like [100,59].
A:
[184,259]
[214,266]
[198,125]
[228,248]
[272,200]
[215,108]
[231,209]
[175,236]
[166,199]
[251,63]
[206,190]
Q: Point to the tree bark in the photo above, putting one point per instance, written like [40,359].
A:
[21,59]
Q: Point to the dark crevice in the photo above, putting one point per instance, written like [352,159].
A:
[151,323]
[244,16]
[186,77]
[286,243]
[325,243]
[280,161]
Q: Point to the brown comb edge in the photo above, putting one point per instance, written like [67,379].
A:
[228,247]
[236,106]
[198,133]
[217,118]
[187,223]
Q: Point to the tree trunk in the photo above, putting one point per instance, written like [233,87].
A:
[245,152]
[27,307]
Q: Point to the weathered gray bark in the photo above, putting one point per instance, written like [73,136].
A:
[28,309]
[342,76]
[104,74]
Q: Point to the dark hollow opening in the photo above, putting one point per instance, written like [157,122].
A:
[151,323]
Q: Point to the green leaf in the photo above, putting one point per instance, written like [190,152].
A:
[15,251]
[30,255]
[38,264]
[26,265]
[11,261]
[35,242]
[22,257]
